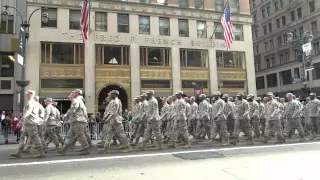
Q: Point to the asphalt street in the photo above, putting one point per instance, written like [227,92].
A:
[290,161]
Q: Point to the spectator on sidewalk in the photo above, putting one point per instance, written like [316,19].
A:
[6,127]
[2,117]
[16,128]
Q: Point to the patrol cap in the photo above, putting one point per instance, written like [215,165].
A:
[179,93]
[269,94]
[37,98]
[289,94]
[143,95]
[48,99]
[225,96]
[202,96]
[192,98]
[277,98]
[186,98]
[208,99]
[78,91]
[240,94]
[258,98]
[55,103]
[216,94]
[265,98]
[308,98]
[30,92]
[114,92]
[150,92]
[312,94]
[250,96]
[282,99]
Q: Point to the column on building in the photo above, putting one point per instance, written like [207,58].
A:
[89,69]
[135,71]
[251,80]
[213,71]
[176,75]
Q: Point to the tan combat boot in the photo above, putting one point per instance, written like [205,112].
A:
[120,147]
[26,150]
[127,149]
[101,142]
[187,145]
[172,145]
[141,146]
[63,151]
[159,146]
[250,141]
[82,149]
[17,154]
[41,153]
[85,151]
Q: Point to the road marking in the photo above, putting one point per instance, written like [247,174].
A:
[152,154]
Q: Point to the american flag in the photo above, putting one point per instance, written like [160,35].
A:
[227,26]
[84,20]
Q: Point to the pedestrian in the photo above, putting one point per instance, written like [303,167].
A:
[6,127]
[16,128]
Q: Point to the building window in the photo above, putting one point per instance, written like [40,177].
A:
[234,5]
[278,23]
[162,2]
[285,38]
[199,4]
[282,59]
[123,23]
[272,80]
[155,84]
[271,44]
[266,46]
[316,48]
[273,61]
[285,77]
[183,28]
[286,57]
[270,27]
[145,1]
[52,15]
[183,3]
[7,24]
[256,33]
[201,29]
[263,12]
[255,18]
[268,11]
[74,19]
[257,49]
[257,65]
[152,56]
[219,5]
[164,26]
[281,3]
[293,16]
[265,30]
[62,53]
[299,12]
[61,83]
[296,54]
[260,82]
[238,32]
[218,34]
[314,27]
[276,5]
[279,41]
[311,6]
[112,55]
[144,24]
[193,58]
[301,31]
[227,59]
[193,84]
[268,63]
[101,19]
[296,72]
[7,65]
[316,71]
[232,84]
[283,20]
[5,84]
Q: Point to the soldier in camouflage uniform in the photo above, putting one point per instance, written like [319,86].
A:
[171,115]
[229,113]
[135,114]
[113,119]
[164,117]
[219,120]
[312,114]
[154,123]
[261,115]
[292,116]
[192,124]
[254,115]
[142,117]
[79,118]
[273,119]
[242,120]
[59,124]
[30,122]
[203,117]
[263,120]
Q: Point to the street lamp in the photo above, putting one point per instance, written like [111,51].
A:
[305,43]
[23,37]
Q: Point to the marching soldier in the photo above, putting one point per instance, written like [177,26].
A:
[104,127]
[229,113]
[135,115]
[203,116]
[51,122]
[254,115]
[180,126]
[312,114]
[79,118]
[192,125]
[30,127]
[171,102]
[242,120]
[292,116]
[142,118]
[59,124]
[164,117]
[154,123]
[273,119]
[219,121]
[261,115]
[114,124]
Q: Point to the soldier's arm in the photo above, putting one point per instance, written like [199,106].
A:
[220,107]
[46,114]
[58,115]
[246,109]
[276,109]
[29,110]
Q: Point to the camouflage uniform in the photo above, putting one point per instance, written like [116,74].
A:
[312,114]
[171,115]
[254,116]
[142,118]
[51,123]
[135,119]
[242,120]
[273,119]
[203,117]
[164,117]
[219,121]
[230,106]
[192,125]
[292,116]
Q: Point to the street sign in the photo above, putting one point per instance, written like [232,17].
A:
[22,44]
[306,47]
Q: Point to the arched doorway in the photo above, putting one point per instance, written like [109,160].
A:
[123,96]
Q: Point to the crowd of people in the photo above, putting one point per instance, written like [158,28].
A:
[180,119]
[8,125]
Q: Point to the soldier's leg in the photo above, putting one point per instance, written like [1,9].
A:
[157,133]
[60,138]
[135,129]
[28,146]
[214,132]
[80,130]
[18,154]
[119,131]
[236,131]
[298,126]
[256,128]
[140,131]
[52,135]
[224,132]
[108,137]
[199,129]
[247,129]
[41,130]
[175,133]
[263,126]
[146,137]
[183,128]
[279,131]
[33,134]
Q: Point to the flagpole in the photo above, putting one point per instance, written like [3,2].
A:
[215,27]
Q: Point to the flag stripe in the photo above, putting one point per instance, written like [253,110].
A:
[84,20]
[227,26]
